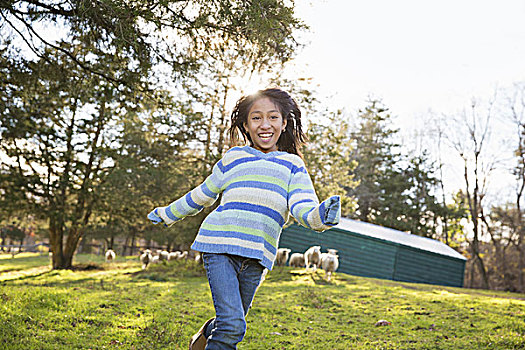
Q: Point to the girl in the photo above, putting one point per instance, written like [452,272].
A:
[260,184]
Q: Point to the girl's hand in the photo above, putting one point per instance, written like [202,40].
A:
[154,217]
[333,210]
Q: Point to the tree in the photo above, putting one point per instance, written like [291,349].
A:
[501,225]
[406,200]
[375,155]
[327,156]
[13,233]
[62,112]
[177,34]
[513,216]
[395,189]
[477,166]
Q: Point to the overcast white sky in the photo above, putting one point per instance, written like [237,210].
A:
[414,54]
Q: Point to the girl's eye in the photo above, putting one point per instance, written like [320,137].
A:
[256,117]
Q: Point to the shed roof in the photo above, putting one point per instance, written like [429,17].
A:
[400,237]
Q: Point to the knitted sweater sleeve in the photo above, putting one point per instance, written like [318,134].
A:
[194,201]
[304,204]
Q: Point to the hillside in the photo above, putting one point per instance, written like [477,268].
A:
[119,306]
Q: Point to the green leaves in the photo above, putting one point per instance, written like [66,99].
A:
[395,190]
[89,126]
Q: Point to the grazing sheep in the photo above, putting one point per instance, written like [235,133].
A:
[110,255]
[282,256]
[297,260]
[198,257]
[155,259]
[145,258]
[312,257]
[183,255]
[174,255]
[330,262]
[163,255]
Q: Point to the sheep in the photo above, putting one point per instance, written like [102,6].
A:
[110,255]
[155,259]
[183,255]
[297,260]
[174,255]
[332,251]
[282,256]
[323,255]
[198,257]
[163,255]
[330,262]
[145,258]
[312,257]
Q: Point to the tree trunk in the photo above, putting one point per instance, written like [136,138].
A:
[471,275]
[222,124]
[521,267]
[503,266]
[123,253]
[70,248]
[479,264]
[132,248]
[56,234]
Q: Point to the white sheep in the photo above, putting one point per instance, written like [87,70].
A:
[282,256]
[163,255]
[323,255]
[145,258]
[155,259]
[182,255]
[198,257]
[297,260]
[174,255]
[330,262]
[110,255]
[312,257]
[332,251]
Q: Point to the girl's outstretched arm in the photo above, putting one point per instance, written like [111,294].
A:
[304,204]
[192,202]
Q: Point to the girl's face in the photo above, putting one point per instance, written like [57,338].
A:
[264,125]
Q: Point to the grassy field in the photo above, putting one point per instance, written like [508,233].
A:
[118,306]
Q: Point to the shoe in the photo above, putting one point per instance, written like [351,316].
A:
[198,341]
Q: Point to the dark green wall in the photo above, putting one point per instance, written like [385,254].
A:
[362,255]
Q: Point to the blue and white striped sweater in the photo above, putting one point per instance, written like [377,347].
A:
[259,190]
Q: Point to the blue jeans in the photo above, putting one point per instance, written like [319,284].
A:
[233,282]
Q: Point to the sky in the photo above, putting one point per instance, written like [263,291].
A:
[416,56]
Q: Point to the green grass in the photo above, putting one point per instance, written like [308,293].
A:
[118,306]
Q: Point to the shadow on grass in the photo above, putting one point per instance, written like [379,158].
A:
[25,277]
[318,277]
[173,270]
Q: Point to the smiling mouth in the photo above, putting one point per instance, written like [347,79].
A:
[266,136]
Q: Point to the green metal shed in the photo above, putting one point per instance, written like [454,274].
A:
[374,251]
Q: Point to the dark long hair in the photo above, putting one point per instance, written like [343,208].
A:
[291,139]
